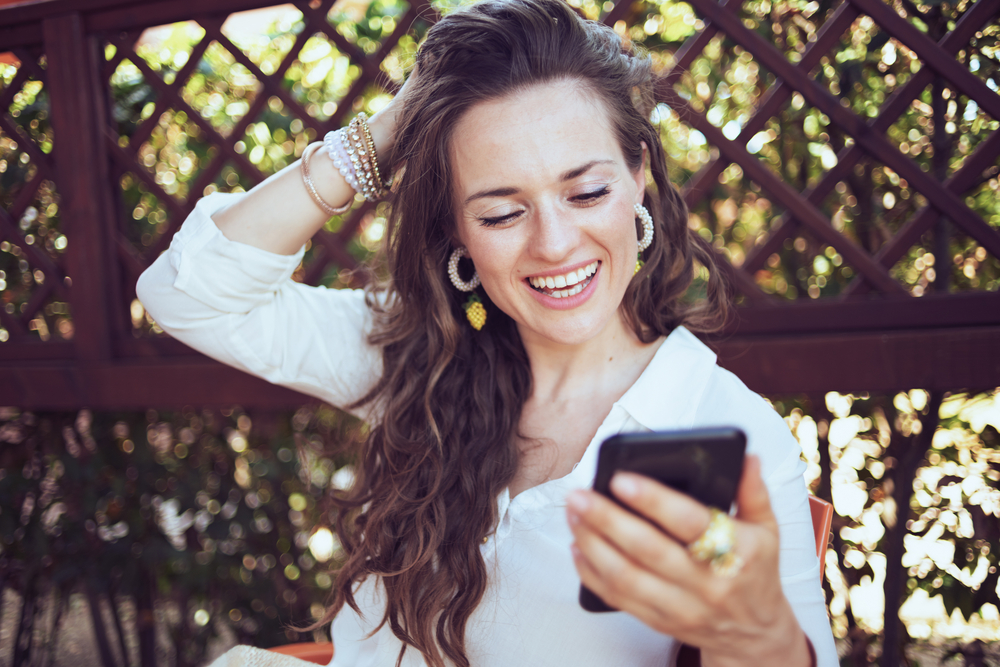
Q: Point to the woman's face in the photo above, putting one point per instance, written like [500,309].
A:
[542,193]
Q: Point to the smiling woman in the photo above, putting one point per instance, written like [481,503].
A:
[524,158]
[557,200]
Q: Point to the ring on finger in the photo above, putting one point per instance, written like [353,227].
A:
[717,545]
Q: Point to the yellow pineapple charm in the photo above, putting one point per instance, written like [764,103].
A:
[475,311]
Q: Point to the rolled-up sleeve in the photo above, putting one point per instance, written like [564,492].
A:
[238,304]
[782,469]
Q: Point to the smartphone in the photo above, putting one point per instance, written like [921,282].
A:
[706,464]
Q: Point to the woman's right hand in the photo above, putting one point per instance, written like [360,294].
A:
[642,565]
[383,124]
[279,215]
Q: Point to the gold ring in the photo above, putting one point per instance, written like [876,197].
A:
[716,545]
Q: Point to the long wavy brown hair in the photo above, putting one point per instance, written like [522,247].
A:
[450,398]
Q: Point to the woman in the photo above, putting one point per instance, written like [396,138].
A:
[522,146]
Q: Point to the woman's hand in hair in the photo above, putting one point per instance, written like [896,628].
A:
[641,565]
[384,123]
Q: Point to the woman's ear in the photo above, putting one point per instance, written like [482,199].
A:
[640,175]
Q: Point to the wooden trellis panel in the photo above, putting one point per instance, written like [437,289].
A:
[855,334]
[22,196]
[869,138]
[97,350]
[125,152]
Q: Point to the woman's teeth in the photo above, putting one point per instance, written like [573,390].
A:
[565,285]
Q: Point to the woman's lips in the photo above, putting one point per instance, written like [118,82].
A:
[566,284]
[569,297]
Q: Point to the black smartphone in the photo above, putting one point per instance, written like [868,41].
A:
[706,464]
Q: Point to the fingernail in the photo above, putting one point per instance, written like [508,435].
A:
[624,486]
[578,501]
[573,518]
[575,550]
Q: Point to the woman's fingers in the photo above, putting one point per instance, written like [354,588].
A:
[625,585]
[676,513]
[753,504]
[626,547]
[593,516]
[638,561]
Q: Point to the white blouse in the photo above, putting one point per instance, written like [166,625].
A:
[238,304]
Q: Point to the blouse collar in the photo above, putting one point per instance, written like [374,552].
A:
[669,391]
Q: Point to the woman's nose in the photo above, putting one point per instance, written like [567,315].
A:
[555,235]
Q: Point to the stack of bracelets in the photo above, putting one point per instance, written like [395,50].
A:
[352,151]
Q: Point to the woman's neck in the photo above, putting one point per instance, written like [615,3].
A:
[573,390]
[614,358]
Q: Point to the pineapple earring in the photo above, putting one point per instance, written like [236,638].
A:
[647,233]
[474,309]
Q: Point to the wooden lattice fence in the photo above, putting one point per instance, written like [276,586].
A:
[94,185]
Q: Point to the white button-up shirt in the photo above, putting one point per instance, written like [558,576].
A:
[238,304]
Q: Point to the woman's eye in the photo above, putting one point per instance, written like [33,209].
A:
[499,220]
[594,194]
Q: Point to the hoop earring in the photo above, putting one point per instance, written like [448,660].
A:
[647,233]
[647,226]
[475,311]
[456,280]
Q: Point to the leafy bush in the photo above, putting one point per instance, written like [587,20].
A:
[196,520]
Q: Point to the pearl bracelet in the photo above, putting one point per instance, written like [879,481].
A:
[352,151]
[334,145]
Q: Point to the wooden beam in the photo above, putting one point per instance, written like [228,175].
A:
[944,359]
[82,177]
[856,315]
[137,386]
[875,361]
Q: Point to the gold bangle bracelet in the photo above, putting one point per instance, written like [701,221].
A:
[379,184]
[357,150]
[311,187]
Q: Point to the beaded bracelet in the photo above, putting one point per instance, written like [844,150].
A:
[363,121]
[334,145]
[359,150]
[352,151]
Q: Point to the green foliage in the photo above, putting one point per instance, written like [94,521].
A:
[196,510]
[800,144]
[20,275]
[956,502]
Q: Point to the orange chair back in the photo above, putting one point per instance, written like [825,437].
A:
[320,653]
[822,516]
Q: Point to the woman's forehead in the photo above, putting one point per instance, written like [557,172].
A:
[538,132]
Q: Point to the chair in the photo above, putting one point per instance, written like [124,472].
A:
[822,516]
[320,653]
[822,520]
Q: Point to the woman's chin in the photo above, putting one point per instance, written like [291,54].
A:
[568,329]
[566,320]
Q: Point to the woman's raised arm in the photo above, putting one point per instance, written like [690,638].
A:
[279,215]
[224,286]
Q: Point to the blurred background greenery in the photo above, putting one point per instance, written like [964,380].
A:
[176,528]
[178,533]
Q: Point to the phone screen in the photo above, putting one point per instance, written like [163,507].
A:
[705,464]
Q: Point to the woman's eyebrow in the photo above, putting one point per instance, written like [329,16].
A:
[566,176]
[581,170]
[498,192]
